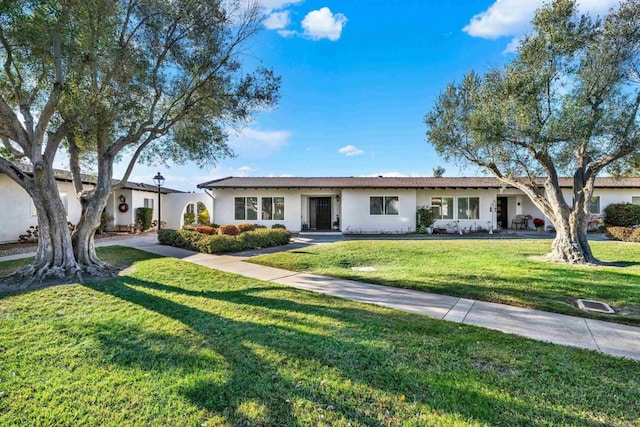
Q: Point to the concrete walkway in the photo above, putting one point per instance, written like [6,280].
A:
[609,338]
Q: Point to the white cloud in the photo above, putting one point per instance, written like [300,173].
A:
[513,17]
[252,143]
[278,4]
[277,20]
[287,33]
[350,150]
[322,24]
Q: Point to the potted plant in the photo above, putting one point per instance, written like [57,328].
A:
[305,226]
[336,223]
[538,223]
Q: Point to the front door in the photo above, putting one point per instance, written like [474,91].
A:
[501,212]
[320,213]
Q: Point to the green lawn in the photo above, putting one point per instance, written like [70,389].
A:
[172,343]
[490,270]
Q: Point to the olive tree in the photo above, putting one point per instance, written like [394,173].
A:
[567,104]
[144,80]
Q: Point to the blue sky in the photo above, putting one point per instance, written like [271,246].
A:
[357,79]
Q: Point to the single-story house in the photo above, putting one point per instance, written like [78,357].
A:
[389,205]
[19,213]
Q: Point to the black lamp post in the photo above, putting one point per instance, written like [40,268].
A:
[159,180]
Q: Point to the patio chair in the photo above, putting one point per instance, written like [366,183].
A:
[520,222]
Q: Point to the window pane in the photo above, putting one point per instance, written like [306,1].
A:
[375,206]
[635,200]
[267,208]
[474,207]
[594,207]
[447,208]
[463,208]
[252,208]
[239,208]
[391,205]
[436,207]
[278,212]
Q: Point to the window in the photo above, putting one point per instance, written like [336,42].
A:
[594,206]
[468,207]
[246,208]
[635,200]
[272,208]
[148,203]
[442,207]
[383,205]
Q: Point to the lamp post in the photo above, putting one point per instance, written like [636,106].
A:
[159,180]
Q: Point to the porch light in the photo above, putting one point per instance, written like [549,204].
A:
[337,197]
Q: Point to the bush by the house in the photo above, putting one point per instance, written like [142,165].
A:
[538,222]
[228,230]
[625,234]
[144,216]
[621,215]
[257,226]
[31,235]
[217,244]
[424,217]
[105,221]
[206,229]
[280,226]
[189,218]
[244,227]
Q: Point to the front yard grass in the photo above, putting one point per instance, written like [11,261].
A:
[172,343]
[503,271]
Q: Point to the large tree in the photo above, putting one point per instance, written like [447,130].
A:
[144,79]
[567,104]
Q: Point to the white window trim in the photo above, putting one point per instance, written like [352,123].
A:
[384,205]
[453,207]
[458,208]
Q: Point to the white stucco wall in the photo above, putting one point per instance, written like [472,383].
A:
[174,206]
[356,217]
[225,207]
[16,208]
[486,216]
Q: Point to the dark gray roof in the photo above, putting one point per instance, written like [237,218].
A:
[389,182]
[63,175]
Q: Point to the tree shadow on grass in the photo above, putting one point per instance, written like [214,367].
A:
[268,362]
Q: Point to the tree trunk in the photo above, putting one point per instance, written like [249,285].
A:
[571,245]
[54,259]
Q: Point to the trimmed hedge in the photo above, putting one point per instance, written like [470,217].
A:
[221,243]
[244,227]
[206,229]
[144,217]
[229,230]
[622,215]
[624,234]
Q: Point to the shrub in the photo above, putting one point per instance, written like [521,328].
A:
[144,216]
[244,227]
[203,214]
[621,215]
[424,217]
[538,222]
[257,226]
[229,230]
[217,244]
[105,221]
[189,218]
[280,226]
[214,225]
[624,234]
[206,229]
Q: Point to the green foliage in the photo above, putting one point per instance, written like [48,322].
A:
[622,215]
[281,226]
[144,217]
[438,171]
[246,227]
[424,217]
[203,217]
[222,243]
[189,218]
[206,229]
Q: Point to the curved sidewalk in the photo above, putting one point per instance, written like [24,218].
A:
[608,338]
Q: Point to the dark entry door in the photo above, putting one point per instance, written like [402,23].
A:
[320,213]
[501,212]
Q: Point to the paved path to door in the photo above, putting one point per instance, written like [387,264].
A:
[609,338]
